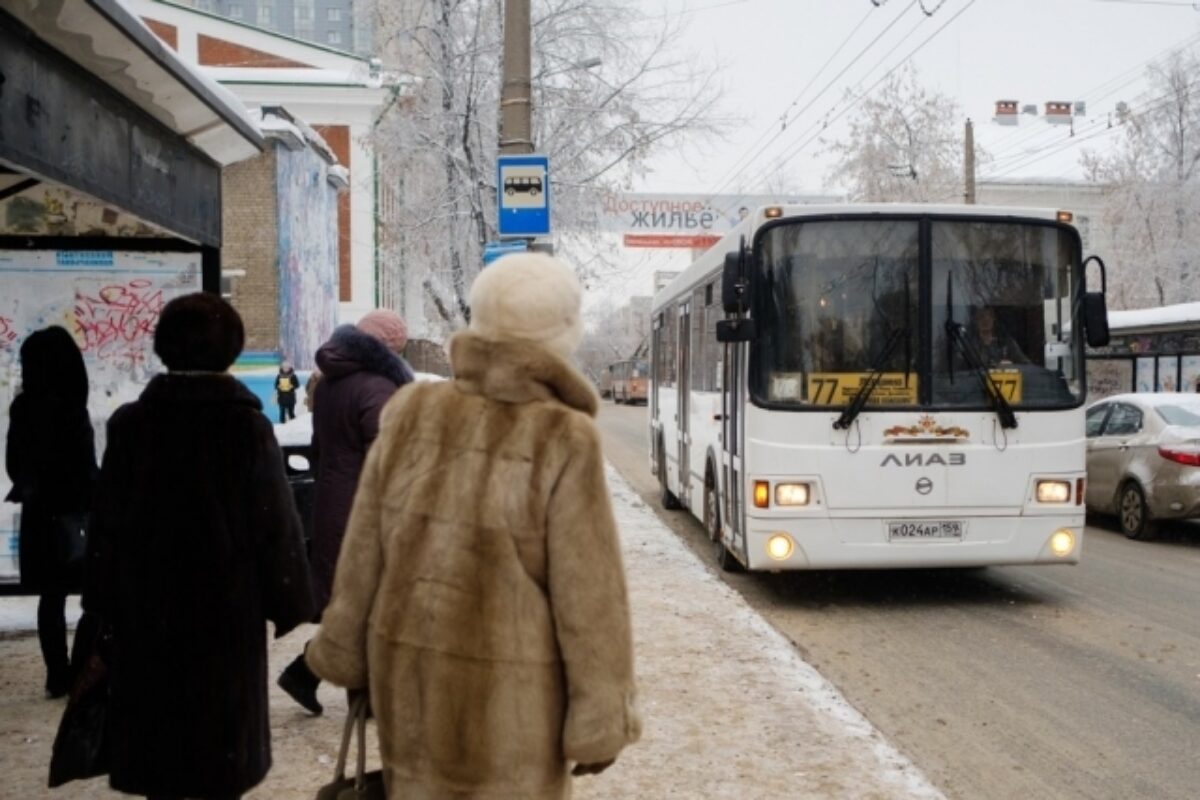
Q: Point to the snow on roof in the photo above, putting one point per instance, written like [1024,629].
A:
[339,176]
[1161,317]
[277,122]
[360,76]
[108,40]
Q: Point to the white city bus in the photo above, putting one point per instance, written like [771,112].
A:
[838,387]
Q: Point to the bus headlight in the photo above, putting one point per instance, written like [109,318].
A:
[791,494]
[1054,491]
[780,546]
[1062,542]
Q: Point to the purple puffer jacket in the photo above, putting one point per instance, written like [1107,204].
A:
[359,374]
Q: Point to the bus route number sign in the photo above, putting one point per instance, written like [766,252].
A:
[1008,381]
[839,388]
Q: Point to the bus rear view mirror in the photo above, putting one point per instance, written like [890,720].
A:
[731,283]
[1095,319]
[1095,309]
[735,330]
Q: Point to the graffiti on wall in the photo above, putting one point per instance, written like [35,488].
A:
[308,255]
[110,302]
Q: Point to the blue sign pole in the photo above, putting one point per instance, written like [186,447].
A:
[523,196]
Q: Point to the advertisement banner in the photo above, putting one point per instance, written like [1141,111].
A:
[650,220]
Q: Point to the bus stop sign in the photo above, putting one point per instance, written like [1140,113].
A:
[523,189]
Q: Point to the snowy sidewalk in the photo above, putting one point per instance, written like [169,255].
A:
[730,709]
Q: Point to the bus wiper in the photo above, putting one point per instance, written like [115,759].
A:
[852,409]
[956,334]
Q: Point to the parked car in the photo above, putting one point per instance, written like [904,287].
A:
[1143,459]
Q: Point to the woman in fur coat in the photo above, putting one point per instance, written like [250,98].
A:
[195,545]
[480,593]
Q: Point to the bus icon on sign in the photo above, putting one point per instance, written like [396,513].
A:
[526,185]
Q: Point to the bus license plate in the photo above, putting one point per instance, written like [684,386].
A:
[924,530]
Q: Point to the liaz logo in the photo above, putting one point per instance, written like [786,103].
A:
[924,460]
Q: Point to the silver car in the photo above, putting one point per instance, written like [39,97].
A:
[1143,459]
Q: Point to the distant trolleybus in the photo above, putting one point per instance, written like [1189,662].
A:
[630,381]
[846,387]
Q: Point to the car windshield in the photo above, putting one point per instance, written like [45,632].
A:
[1187,414]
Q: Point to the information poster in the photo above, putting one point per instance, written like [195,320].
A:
[110,302]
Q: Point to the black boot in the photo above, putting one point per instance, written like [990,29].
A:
[300,682]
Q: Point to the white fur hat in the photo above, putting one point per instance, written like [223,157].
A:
[528,297]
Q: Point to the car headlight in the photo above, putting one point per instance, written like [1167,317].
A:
[791,494]
[1054,491]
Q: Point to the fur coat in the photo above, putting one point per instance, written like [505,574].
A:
[480,590]
[195,544]
[359,375]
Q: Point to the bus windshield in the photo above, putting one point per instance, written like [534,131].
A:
[980,311]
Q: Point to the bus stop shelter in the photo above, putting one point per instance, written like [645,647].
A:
[111,151]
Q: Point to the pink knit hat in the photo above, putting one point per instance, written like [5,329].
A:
[387,326]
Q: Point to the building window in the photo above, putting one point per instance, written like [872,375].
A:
[204,5]
[334,37]
[303,14]
[335,15]
[266,15]
[235,12]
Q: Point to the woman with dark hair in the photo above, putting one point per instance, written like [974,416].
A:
[196,544]
[51,460]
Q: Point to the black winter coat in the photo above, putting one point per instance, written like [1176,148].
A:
[359,374]
[50,456]
[195,544]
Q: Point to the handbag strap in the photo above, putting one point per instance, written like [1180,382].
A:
[340,774]
[360,720]
[356,722]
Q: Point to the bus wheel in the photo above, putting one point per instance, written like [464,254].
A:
[712,512]
[1133,513]
[726,560]
[669,501]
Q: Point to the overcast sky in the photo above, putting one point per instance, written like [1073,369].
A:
[782,57]
[1027,50]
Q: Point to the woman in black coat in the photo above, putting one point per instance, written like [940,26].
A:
[196,543]
[361,369]
[51,460]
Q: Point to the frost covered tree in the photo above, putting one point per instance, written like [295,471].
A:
[610,89]
[1152,195]
[904,143]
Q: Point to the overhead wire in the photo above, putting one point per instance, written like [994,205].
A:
[749,151]
[826,88]
[796,150]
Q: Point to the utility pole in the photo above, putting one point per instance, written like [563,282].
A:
[516,96]
[969,163]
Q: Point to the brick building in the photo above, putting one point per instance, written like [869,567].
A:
[281,239]
[337,93]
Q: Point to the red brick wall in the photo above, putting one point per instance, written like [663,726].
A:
[338,139]
[168,33]
[214,52]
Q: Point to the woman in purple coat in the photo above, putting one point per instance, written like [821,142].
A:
[360,370]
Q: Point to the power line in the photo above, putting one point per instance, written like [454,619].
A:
[826,88]
[751,149]
[789,155]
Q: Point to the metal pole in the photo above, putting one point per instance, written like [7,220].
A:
[969,163]
[516,101]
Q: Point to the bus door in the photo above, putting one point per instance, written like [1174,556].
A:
[682,406]
[731,449]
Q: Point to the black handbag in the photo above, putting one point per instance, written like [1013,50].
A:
[364,785]
[80,747]
[69,535]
